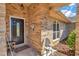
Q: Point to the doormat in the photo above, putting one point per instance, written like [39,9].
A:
[21,48]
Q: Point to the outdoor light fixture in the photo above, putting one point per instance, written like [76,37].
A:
[22,6]
[50,8]
[32,27]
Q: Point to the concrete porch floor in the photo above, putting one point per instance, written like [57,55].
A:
[25,52]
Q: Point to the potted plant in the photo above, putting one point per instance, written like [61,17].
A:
[71,42]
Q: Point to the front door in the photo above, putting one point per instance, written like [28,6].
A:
[17,30]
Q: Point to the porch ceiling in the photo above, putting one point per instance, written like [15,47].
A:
[25,5]
[53,13]
[21,7]
[57,5]
[54,5]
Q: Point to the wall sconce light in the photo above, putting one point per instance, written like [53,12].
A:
[32,26]
[50,8]
[22,6]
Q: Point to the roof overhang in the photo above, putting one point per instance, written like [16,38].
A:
[54,13]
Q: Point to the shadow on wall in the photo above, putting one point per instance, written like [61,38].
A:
[64,35]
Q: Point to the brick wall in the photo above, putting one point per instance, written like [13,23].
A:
[3,47]
[77,39]
[77,33]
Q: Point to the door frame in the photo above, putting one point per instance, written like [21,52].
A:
[19,45]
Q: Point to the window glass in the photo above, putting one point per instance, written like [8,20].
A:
[54,35]
[57,27]
[58,34]
[18,29]
[56,30]
[54,27]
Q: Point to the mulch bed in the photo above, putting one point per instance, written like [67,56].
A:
[63,48]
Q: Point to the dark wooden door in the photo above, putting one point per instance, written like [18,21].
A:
[17,30]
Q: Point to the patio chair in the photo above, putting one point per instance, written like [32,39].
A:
[47,48]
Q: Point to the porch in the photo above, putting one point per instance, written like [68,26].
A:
[47,20]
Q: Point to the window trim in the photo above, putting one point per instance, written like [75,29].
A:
[57,22]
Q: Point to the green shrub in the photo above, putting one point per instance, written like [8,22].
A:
[71,40]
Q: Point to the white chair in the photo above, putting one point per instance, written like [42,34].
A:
[47,48]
